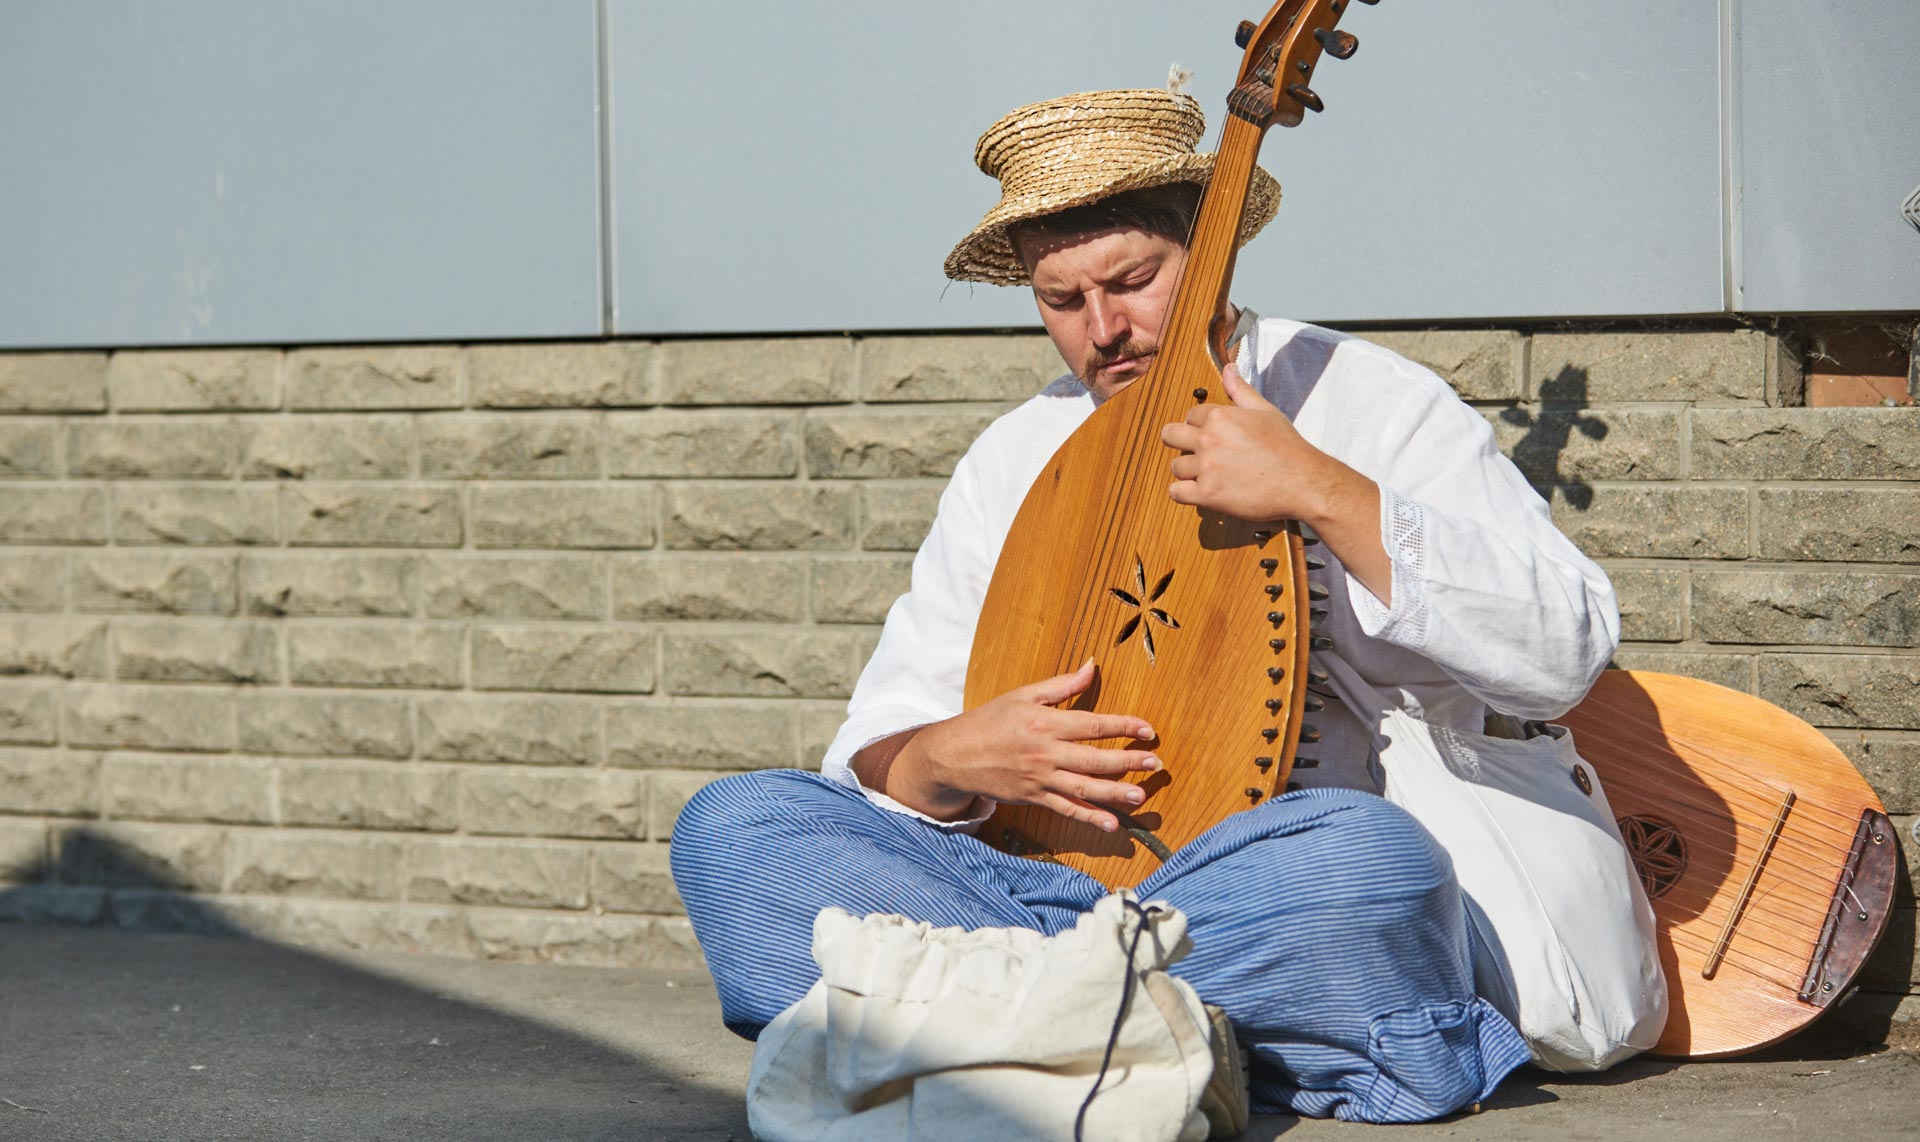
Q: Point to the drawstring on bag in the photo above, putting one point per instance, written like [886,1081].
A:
[1143,913]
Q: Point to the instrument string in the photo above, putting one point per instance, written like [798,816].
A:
[1665,741]
[1085,631]
[1809,906]
[1700,758]
[1790,872]
[1140,507]
[1758,802]
[1806,865]
[1797,956]
[1778,974]
[1756,922]
[1817,859]
[1801,906]
[1759,918]
[1698,945]
[1814,864]
[1744,945]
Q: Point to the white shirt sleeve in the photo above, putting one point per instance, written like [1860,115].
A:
[918,672]
[1484,586]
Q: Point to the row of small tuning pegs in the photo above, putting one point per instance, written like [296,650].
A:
[1313,703]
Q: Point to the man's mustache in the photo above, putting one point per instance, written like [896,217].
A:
[1101,358]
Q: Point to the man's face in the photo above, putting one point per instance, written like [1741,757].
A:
[1102,297]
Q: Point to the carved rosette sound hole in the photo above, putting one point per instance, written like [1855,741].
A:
[1658,850]
[1145,615]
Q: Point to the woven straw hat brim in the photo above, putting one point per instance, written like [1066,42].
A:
[987,254]
[1078,149]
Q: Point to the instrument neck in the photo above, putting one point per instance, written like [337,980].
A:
[1200,301]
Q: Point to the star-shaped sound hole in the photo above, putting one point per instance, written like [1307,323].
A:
[1145,615]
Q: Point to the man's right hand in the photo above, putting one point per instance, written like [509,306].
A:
[1018,748]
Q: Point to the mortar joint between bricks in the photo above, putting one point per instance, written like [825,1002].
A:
[1523,366]
[1683,466]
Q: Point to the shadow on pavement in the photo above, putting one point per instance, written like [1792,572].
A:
[204,1032]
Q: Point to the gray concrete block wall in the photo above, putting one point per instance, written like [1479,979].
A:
[423,647]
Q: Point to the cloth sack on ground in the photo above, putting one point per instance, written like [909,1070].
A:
[1551,891]
[942,1033]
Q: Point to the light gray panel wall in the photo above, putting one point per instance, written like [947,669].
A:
[1829,146]
[796,167]
[281,170]
[1511,158]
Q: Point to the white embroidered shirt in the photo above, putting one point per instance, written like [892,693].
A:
[1492,608]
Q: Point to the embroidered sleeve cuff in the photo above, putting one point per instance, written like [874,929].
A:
[1403,532]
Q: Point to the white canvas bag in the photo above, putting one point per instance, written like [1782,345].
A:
[917,1032]
[1550,888]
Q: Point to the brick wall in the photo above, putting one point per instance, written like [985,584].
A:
[424,647]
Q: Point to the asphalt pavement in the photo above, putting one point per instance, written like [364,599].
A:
[108,1034]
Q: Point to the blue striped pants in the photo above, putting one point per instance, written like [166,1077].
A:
[1326,922]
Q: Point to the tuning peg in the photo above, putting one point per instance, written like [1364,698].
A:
[1303,95]
[1369,1]
[1313,705]
[1319,642]
[1339,45]
[1309,734]
[1317,593]
[1243,35]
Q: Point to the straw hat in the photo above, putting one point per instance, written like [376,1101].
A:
[1077,149]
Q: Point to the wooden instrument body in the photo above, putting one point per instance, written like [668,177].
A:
[1193,619]
[1697,774]
[1099,557]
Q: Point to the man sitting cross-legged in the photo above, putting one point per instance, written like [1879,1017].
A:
[1327,923]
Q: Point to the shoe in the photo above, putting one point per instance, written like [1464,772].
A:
[1225,1102]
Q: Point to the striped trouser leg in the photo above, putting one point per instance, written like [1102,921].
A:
[757,856]
[1326,922]
[1329,925]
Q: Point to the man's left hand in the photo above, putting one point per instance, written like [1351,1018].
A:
[1247,460]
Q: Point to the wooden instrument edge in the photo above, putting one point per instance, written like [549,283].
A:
[1858,901]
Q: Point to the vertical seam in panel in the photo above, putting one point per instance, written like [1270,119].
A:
[1731,291]
[603,144]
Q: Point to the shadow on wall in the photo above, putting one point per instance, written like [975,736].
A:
[1563,399]
[202,1031]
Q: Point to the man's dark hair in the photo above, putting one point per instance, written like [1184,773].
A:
[1167,211]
